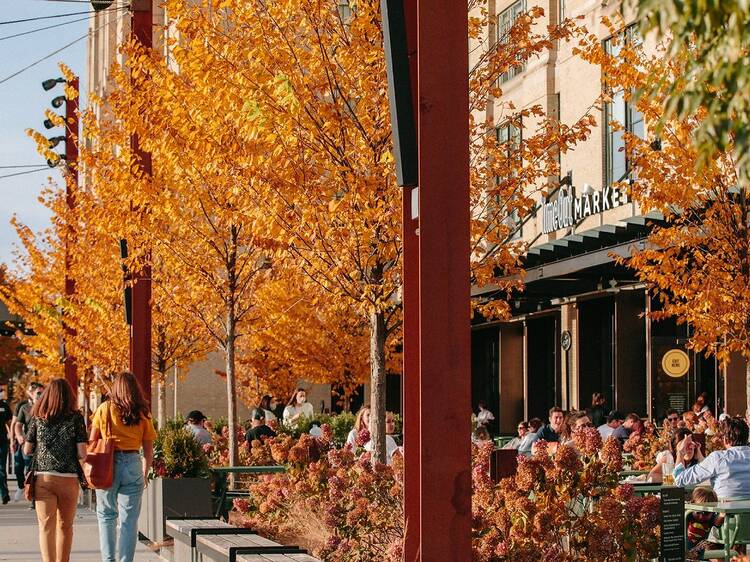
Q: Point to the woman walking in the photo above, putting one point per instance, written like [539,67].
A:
[128,416]
[57,438]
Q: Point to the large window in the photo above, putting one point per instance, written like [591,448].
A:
[509,138]
[616,162]
[505,21]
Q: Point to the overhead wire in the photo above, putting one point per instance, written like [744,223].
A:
[20,166]
[53,53]
[41,169]
[29,32]
[9,22]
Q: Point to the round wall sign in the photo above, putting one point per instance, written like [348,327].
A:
[675,363]
[566,340]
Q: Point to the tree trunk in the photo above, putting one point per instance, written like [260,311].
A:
[161,399]
[231,388]
[377,384]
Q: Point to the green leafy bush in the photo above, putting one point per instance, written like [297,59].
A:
[178,455]
[341,424]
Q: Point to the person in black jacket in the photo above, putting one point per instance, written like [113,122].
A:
[258,428]
[5,416]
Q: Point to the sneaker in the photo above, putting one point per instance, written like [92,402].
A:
[18,495]
[6,499]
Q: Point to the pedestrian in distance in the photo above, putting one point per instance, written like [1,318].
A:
[6,415]
[361,422]
[298,407]
[20,426]
[128,416]
[195,423]
[56,437]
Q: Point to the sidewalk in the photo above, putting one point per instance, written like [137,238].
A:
[19,539]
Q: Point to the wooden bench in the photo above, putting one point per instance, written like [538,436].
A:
[185,531]
[245,547]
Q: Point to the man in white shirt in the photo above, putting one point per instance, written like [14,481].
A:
[614,421]
[727,470]
[195,421]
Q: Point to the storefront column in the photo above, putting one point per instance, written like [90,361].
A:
[569,357]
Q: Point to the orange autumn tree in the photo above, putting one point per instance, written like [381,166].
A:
[698,262]
[34,291]
[192,209]
[306,336]
[315,81]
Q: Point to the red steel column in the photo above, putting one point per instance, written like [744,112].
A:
[445,377]
[140,331]
[410,377]
[71,186]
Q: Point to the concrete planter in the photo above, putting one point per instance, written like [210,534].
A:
[168,497]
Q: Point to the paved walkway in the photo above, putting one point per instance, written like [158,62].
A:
[19,539]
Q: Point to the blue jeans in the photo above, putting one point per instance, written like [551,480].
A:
[3,468]
[123,499]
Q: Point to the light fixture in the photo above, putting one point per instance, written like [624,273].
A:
[53,162]
[51,83]
[54,141]
[58,101]
[48,124]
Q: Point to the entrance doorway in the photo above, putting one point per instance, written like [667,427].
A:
[596,318]
[543,384]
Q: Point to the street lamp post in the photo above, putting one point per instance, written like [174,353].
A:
[70,137]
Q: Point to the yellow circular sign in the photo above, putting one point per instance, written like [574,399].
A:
[675,363]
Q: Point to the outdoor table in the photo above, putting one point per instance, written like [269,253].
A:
[221,474]
[626,473]
[644,488]
[731,510]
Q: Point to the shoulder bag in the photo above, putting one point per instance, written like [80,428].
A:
[100,456]
[30,480]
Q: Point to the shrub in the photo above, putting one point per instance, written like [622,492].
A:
[178,455]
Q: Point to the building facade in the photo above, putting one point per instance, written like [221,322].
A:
[581,325]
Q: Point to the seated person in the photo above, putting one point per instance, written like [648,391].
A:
[689,457]
[700,523]
[480,435]
[391,447]
[196,424]
[258,428]
[515,443]
[524,448]
[728,470]
[614,422]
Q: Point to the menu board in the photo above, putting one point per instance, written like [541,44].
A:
[672,548]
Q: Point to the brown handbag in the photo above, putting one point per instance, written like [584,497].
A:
[100,456]
[30,481]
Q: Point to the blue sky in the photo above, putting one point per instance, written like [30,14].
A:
[22,103]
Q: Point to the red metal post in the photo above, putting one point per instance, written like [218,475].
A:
[71,186]
[140,331]
[444,287]
[410,377]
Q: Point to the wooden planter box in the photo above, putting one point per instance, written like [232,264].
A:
[167,497]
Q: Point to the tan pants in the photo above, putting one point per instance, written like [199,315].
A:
[56,499]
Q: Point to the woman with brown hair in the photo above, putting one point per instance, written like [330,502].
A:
[126,418]
[57,437]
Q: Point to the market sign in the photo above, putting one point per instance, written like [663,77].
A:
[568,209]
[675,363]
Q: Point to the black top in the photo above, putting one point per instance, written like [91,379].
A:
[548,434]
[5,416]
[23,415]
[256,433]
[57,441]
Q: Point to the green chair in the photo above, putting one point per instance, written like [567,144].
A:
[739,533]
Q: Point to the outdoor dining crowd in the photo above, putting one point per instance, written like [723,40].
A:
[721,475]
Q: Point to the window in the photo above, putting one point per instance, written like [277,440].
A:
[505,21]
[509,137]
[616,162]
